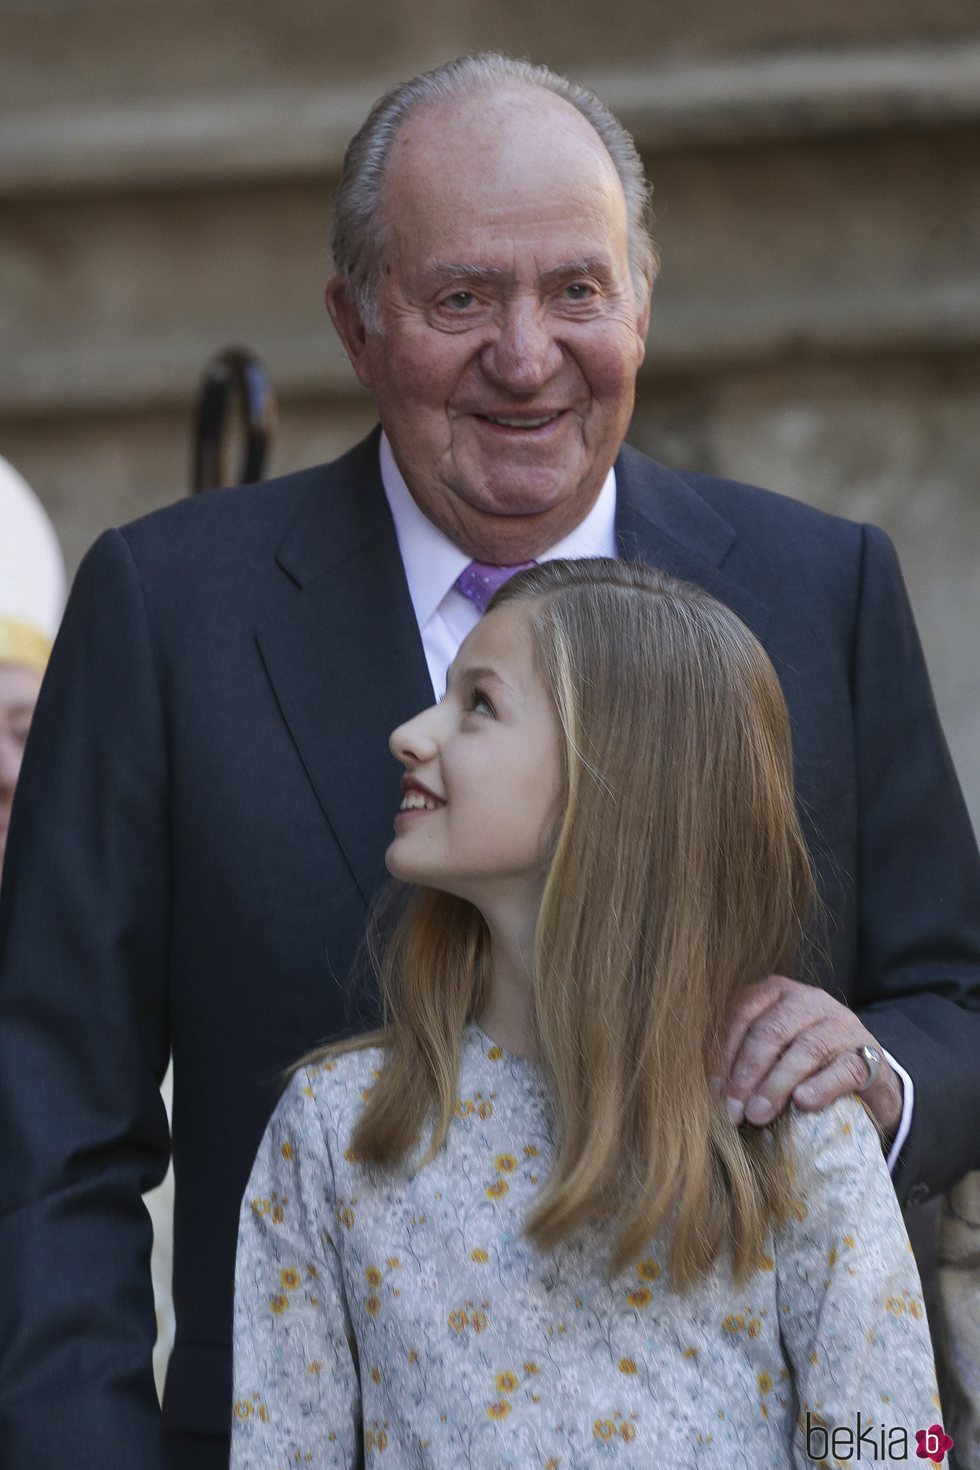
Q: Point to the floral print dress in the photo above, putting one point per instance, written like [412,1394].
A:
[400,1319]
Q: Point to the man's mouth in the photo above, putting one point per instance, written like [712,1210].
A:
[508,422]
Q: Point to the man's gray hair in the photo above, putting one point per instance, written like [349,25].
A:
[357,234]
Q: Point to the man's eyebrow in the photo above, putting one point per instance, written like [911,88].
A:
[588,265]
[447,270]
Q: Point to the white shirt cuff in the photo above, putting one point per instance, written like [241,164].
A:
[908,1099]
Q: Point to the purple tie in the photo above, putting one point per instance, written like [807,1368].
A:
[480,580]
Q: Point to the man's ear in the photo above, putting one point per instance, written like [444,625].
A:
[349,327]
[642,327]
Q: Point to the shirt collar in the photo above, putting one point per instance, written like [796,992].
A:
[433,562]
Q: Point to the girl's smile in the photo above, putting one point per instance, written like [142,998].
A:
[416,799]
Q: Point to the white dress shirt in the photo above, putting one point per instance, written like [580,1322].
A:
[432,563]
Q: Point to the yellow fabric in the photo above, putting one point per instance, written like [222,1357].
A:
[22,643]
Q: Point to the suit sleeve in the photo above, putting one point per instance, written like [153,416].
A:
[851,1313]
[919,891]
[84,930]
[297,1391]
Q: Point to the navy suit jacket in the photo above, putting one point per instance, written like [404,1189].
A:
[203,811]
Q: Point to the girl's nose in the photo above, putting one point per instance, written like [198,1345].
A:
[414,743]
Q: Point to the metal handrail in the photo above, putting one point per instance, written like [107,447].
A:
[235,374]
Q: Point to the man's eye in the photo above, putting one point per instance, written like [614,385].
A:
[579,291]
[459,300]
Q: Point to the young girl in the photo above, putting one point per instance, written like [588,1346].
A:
[517,1227]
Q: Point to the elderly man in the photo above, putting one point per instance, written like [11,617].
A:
[207,794]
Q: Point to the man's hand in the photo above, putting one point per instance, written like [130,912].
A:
[788,1040]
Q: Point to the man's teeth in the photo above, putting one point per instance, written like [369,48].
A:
[521,423]
[414,801]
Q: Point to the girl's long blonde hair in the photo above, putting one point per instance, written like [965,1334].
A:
[679,877]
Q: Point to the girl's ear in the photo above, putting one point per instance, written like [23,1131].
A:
[349,326]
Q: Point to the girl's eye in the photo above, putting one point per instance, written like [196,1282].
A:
[478,700]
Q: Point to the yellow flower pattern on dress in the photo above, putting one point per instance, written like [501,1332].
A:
[403,1316]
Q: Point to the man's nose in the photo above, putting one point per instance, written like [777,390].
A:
[415,742]
[524,354]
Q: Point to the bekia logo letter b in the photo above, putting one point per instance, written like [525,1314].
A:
[932,1443]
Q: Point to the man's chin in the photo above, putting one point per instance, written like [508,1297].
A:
[526,492]
[544,510]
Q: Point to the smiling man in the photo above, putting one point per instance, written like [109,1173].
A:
[207,793]
[508,334]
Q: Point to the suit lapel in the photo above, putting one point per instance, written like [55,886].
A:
[661,521]
[344,655]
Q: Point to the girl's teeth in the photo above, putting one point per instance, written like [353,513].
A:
[414,801]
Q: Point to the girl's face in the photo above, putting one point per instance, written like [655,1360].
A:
[482,788]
